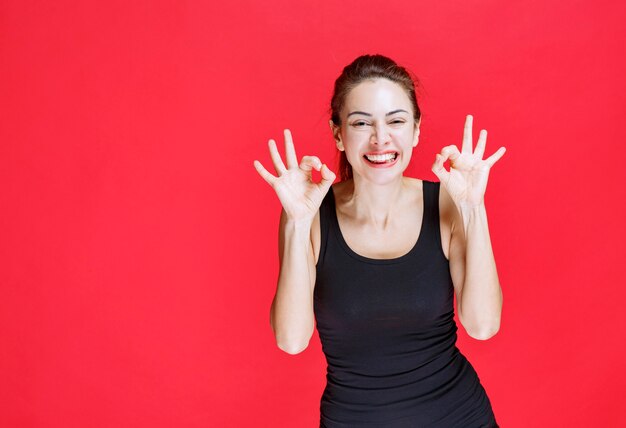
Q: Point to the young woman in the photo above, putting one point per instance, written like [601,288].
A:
[375,262]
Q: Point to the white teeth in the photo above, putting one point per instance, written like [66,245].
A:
[381,158]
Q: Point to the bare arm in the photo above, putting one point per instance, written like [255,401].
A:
[473,271]
[472,264]
[291,314]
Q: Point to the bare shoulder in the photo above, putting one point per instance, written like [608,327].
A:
[444,196]
[316,236]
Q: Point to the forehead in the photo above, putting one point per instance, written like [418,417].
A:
[377,95]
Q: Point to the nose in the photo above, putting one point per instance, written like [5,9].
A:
[381,134]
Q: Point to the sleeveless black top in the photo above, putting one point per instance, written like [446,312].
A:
[388,334]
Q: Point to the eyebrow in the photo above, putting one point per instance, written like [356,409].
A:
[369,114]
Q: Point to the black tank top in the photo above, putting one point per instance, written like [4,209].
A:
[388,334]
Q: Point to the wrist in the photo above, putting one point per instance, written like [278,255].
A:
[472,214]
[471,208]
[301,223]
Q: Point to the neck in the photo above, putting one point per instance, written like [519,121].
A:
[375,204]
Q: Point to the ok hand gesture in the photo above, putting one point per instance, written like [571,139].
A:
[298,194]
[467,180]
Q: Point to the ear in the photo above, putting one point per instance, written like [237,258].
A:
[336,130]
[416,135]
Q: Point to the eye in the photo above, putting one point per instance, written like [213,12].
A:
[398,121]
[359,123]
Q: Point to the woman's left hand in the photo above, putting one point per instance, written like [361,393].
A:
[466,182]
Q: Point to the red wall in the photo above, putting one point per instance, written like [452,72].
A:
[138,245]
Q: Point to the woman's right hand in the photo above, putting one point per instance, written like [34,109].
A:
[298,194]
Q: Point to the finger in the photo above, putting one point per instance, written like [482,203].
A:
[480,144]
[278,162]
[495,157]
[450,152]
[467,134]
[264,173]
[439,169]
[310,162]
[290,150]
[328,177]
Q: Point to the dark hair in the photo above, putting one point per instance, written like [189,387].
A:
[368,67]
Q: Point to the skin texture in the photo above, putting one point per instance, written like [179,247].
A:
[378,208]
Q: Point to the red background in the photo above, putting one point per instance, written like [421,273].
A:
[138,245]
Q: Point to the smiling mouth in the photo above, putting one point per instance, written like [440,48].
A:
[381,159]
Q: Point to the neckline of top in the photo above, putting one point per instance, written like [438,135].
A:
[371,260]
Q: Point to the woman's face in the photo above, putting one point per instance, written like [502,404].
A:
[378,131]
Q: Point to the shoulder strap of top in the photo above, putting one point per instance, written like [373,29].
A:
[431,211]
[431,198]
